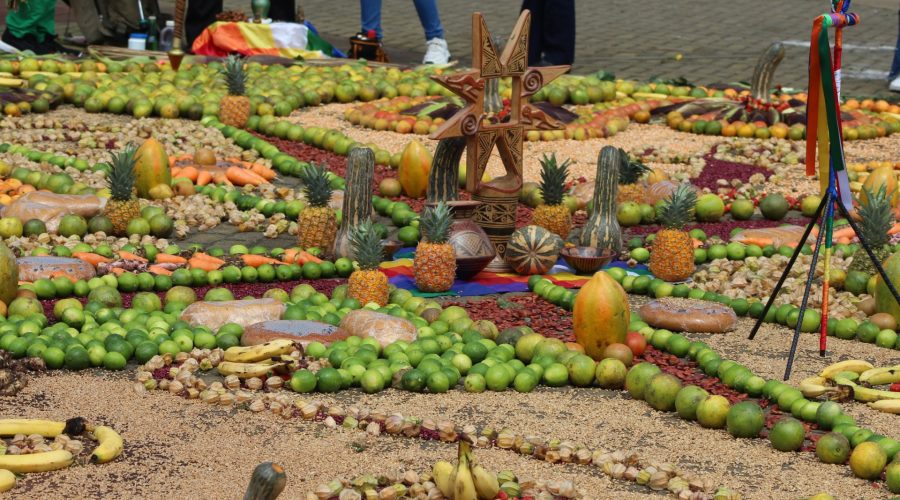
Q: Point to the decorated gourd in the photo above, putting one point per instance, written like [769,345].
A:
[600,315]
[357,206]
[151,167]
[602,229]
[267,482]
[9,275]
[533,250]
[443,181]
[415,165]
[883,176]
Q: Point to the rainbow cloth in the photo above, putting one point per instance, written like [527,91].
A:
[400,274]
[289,40]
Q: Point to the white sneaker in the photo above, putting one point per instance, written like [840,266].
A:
[436,52]
[894,85]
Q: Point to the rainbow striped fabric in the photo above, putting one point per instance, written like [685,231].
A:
[289,40]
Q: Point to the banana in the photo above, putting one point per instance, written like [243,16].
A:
[813,387]
[486,484]
[869,395]
[252,354]
[887,406]
[246,370]
[36,462]
[442,473]
[110,447]
[881,376]
[851,365]
[851,376]
[46,428]
[13,82]
[7,480]
[464,486]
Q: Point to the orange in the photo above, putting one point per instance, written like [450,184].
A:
[868,460]
[746,131]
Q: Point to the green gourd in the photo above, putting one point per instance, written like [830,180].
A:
[357,207]
[267,482]
[443,181]
[602,228]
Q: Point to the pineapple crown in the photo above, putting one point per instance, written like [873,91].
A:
[366,244]
[316,185]
[553,179]
[235,76]
[876,216]
[435,223]
[631,171]
[679,207]
[121,174]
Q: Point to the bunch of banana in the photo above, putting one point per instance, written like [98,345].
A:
[260,352]
[880,376]
[467,480]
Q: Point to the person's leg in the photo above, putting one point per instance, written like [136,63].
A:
[430,18]
[88,19]
[283,10]
[370,16]
[558,32]
[122,17]
[199,15]
[535,47]
[895,67]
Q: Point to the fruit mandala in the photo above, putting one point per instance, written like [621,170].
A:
[142,308]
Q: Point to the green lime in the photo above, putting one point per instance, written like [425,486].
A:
[76,358]
[303,381]
[54,357]
[475,382]
[438,382]
[114,361]
[328,380]
[556,375]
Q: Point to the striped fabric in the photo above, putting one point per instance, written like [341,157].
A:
[289,40]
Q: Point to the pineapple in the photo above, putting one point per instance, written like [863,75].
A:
[875,219]
[234,109]
[630,186]
[553,215]
[122,205]
[672,257]
[368,284]
[435,264]
[317,223]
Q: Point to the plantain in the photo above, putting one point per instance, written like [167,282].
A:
[869,395]
[260,352]
[7,480]
[852,365]
[881,376]
[887,406]
[46,428]
[110,447]
[247,370]
[813,387]
[13,82]
[464,484]
[36,462]
[442,472]
[486,484]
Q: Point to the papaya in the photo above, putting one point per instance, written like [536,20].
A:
[883,176]
[600,314]
[415,166]
[884,299]
[9,275]
[151,167]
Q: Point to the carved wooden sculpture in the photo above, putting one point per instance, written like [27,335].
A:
[484,130]
[357,206]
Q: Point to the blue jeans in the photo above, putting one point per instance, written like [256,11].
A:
[895,67]
[428,16]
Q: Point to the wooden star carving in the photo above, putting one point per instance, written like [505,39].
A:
[471,120]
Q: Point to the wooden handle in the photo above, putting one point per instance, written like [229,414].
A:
[180,6]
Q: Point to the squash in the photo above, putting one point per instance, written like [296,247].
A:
[600,314]
[267,482]
[533,250]
[883,176]
[884,299]
[443,181]
[602,230]
[415,165]
[151,167]
[357,206]
[9,275]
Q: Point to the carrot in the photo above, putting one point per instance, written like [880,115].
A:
[189,172]
[895,229]
[845,232]
[118,271]
[159,270]
[243,177]
[204,178]
[697,243]
[760,242]
[258,260]
[208,257]
[91,258]
[844,240]
[290,255]
[130,256]
[64,274]
[308,257]
[164,258]
[263,171]
[221,178]
[206,265]
[176,171]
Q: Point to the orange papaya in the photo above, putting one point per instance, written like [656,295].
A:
[415,166]
[151,167]
[601,314]
[883,176]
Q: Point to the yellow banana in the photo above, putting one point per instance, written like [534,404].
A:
[110,447]
[869,395]
[246,370]
[442,474]
[7,480]
[464,486]
[880,376]
[887,406]
[260,352]
[36,462]
[850,365]
[29,74]
[813,387]
[27,426]
[851,376]
[486,484]
[13,82]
